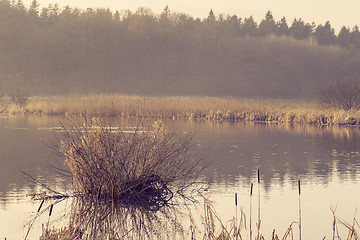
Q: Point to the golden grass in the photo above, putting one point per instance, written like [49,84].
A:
[209,108]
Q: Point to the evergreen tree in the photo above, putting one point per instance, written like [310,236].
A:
[211,17]
[20,6]
[300,30]
[344,37]
[267,26]
[233,25]
[34,8]
[355,37]
[325,35]
[54,10]
[249,27]
[116,16]
[44,12]
[165,14]
[282,27]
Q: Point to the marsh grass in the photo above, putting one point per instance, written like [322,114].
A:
[201,108]
[98,220]
[352,229]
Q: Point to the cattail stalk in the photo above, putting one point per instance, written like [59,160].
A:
[37,214]
[251,190]
[299,209]
[259,219]
[236,221]
[50,212]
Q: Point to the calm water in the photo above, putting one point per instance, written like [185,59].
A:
[326,160]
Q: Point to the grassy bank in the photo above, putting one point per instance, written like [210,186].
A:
[204,108]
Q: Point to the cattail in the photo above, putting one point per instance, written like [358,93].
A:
[42,202]
[37,213]
[251,190]
[99,192]
[51,208]
[235,232]
[259,205]
[299,209]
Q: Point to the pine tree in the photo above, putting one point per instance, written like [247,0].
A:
[267,26]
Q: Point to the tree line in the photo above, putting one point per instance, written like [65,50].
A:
[57,50]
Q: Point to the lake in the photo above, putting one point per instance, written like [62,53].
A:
[325,159]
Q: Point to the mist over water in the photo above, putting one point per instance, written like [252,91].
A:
[326,160]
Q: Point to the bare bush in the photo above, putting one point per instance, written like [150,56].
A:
[127,183]
[145,166]
[19,98]
[342,94]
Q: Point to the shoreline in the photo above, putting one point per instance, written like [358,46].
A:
[185,108]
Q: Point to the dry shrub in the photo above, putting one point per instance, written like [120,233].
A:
[144,166]
[19,98]
[342,94]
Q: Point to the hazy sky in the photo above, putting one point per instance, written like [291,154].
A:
[339,13]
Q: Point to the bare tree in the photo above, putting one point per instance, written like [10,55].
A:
[343,94]
[19,98]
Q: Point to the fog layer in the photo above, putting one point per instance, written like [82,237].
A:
[62,50]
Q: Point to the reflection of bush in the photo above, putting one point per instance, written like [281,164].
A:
[143,167]
[96,220]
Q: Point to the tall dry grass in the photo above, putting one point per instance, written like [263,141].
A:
[131,106]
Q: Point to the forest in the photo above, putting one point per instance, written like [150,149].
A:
[61,50]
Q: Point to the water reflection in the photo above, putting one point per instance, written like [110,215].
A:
[306,152]
[101,220]
[231,149]
[326,159]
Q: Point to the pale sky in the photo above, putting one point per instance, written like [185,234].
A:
[339,13]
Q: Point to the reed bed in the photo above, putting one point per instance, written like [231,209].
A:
[240,227]
[96,220]
[204,108]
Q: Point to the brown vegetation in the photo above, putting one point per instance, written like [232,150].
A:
[94,220]
[143,166]
[192,108]
[342,94]
[127,183]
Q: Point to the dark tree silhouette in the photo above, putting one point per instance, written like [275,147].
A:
[343,94]
[249,27]
[282,27]
[344,37]
[325,35]
[355,37]
[267,26]
[301,30]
